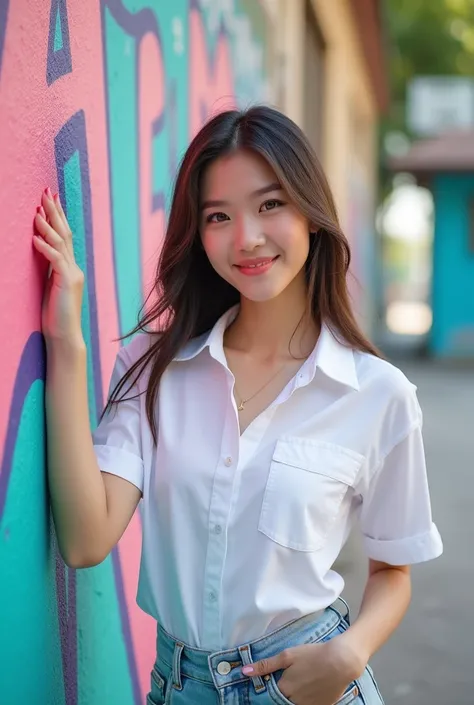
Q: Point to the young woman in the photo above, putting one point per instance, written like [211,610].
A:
[256,424]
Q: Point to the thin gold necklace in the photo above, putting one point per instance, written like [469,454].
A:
[244,401]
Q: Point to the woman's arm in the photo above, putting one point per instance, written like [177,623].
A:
[90,509]
[386,599]
[328,668]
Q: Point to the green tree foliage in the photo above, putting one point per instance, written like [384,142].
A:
[427,37]
[424,38]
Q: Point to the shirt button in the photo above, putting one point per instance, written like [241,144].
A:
[218,529]
[224,668]
[228,461]
[212,596]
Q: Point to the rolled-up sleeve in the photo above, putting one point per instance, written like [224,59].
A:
[395,515]
[117,439]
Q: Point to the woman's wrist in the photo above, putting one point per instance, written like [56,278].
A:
[352,652]
[73,347]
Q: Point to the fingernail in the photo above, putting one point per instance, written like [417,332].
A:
[48,192]
[42,213]
[56,197]
[247,670]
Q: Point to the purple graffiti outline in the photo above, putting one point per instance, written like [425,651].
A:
[32,367]
[60,61]
[66,602]
[72,137]
[173,113]
[4,4]
[158,197]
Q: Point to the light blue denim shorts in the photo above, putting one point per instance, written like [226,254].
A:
[187,676]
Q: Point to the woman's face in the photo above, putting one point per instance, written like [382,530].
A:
[253,235]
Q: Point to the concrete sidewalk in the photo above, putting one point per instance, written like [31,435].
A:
[430,660]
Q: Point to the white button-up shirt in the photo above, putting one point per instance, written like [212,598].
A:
[240,532]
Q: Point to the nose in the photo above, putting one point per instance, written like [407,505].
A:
[248,234]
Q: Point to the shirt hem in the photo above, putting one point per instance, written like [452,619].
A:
[406,551]
[120,462]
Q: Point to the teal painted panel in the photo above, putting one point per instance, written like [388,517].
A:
[122,115]
[102,667]
[30,646]
[453,267]
[58,34]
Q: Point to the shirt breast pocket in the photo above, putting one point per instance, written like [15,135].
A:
[306,485]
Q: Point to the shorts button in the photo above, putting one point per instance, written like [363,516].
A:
[224,668]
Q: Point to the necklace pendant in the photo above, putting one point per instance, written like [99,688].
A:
[241,406]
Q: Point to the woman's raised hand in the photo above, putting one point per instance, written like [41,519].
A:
[62,302]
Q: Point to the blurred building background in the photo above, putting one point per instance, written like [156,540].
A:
[426,217]
[99,99]
[424,321]
[329,73]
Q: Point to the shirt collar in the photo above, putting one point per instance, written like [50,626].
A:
[213,339]
[331,356]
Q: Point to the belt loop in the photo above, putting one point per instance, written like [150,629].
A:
[246,656]
[348,615]
[176,671]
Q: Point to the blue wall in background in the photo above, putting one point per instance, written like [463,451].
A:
[452,334]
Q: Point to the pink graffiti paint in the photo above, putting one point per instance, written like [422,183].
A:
[151,92]
[142,626]
[31,114]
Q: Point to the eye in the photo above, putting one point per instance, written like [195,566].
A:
[216,217]
[271,204]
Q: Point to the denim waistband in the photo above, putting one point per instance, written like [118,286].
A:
[223,668]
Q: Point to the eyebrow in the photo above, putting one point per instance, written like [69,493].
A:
[259,192]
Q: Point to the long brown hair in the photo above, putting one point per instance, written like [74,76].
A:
[189,295]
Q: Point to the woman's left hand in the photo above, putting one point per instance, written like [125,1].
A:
[314,674]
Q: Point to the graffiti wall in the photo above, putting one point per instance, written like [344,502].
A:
[98,99]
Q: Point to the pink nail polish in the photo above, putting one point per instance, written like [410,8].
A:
[48,193]
[247,670]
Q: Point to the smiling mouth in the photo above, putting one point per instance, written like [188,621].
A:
[258,267]
[254,266]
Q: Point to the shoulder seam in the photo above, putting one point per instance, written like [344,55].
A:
[401,437]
